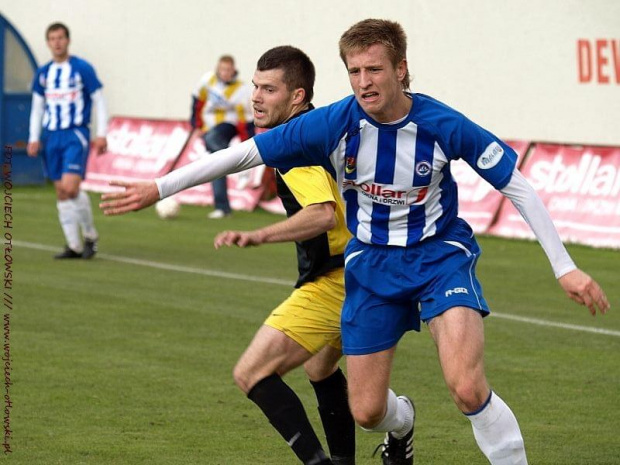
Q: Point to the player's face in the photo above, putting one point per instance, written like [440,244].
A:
[273,103]
[58,43]
[377,84]
[225,71]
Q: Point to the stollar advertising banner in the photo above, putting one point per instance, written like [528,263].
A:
[479,202]
[138,149]
[580,186]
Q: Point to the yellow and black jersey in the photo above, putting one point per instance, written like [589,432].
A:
[299,188]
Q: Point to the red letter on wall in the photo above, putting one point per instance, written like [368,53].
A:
[601,61]
[584,60]
[615,49]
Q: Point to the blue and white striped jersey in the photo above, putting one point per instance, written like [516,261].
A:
[395,178]
[67,89]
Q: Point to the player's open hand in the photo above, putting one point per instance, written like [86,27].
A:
[135,196]
[101,145]
[238,238]
[32,149]
[580,287]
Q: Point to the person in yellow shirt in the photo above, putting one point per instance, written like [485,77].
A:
[221,110]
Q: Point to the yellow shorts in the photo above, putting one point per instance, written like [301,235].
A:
[311,315]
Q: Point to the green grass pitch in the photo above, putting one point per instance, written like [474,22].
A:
[127,359]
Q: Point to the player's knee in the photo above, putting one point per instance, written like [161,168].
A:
[215,142]
[468,396]
[241,378]
[319,371]
[68,191]
[367,416]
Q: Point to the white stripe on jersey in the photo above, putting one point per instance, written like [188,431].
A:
[366,164]
[63,104]
[403,175]
[64,97]
[51,120]
[79,102]
[432,207]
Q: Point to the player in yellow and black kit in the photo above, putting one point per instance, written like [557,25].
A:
[305,328]
[311,315]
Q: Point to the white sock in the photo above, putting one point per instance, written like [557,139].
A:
[398,417]
[85,216]
[497,433]
[69,222]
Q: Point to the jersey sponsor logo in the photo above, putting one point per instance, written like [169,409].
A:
[423,168]
[491,156]
[386,195]
[60,96]
[457,290]
[349,166]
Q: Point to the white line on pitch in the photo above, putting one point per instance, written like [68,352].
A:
[536,321]
[282,282]
[165,266]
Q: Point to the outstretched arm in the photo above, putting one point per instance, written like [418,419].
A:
[305,224]
[579,286]
[139,195]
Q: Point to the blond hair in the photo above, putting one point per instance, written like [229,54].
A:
[361,36]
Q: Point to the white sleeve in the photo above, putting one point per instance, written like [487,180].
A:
[36,117]
[233,159]
[101,112]
[526,200]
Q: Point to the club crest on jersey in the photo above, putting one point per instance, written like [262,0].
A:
[350,165]
[423,168]
[491,156]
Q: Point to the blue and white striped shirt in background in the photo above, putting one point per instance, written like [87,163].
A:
[67,88]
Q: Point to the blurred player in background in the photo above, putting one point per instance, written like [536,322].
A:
[411,258]
[305,328]
[63,93]
[221,110]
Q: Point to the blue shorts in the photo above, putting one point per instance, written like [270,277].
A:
[65,151]
[390,289]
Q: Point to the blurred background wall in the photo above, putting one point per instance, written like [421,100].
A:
[535,70]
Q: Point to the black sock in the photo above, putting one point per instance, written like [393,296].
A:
[338,423]
[287,415]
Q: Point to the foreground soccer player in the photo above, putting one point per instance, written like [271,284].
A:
[308,322]
[411,257]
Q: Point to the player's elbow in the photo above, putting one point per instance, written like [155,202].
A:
[327,218]
[330,222]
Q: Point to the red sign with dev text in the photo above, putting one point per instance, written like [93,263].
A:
[598,61]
